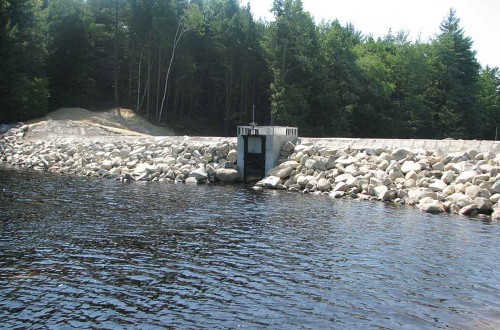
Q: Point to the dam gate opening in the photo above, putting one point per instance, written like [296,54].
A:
[259,148]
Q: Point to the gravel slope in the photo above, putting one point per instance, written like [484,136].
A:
[82,122]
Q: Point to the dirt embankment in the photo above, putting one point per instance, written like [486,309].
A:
[81,122]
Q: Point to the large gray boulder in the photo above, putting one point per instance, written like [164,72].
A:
[232,156]
[271,182]
[472,191]
[107,165]
[342,177]
[380,191]
[470,210]
[496,215]
[395,174]
[410,183]
[459,199]
[310,163]
[466,176]
[496,187]
[222,149]
[346,160]
[495,198]
[191,181]
[438,167]
[227,175]
[400,154]
[449,190]
[438,185]
[341,186]
[291,163]
[304,148]
[200,174]
[430,205]
[324,185]
[284,172]
[353,182]
[483,204]
[448,177]
[409,166]
[142,169]
[312,184]
[288,147]
[137,151]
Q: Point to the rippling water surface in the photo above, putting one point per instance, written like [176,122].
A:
[78,252]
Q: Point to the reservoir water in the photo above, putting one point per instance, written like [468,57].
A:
[87,253]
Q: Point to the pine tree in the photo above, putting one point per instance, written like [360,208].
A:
[489,102]
[23,86]
[338,87]
[457,69]
[70,68]
[291,48]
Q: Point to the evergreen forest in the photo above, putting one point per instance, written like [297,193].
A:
[198,64]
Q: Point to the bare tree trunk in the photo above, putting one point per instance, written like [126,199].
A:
[247,91]
[115,64]
[158,83]
[166,78]
[148,82]
[143,97]
[242,95]
[227,119]
[197,97]
[139,81]
[181,29]
[176,102]
[130,69]
[146,90]
[181,110]
[192,98]
[254,85]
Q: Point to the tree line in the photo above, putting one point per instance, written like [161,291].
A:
[201,66]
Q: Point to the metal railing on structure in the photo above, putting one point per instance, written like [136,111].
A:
[268,130]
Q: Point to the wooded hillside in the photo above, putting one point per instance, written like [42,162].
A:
[206,63]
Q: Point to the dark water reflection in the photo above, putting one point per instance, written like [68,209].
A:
[77,252]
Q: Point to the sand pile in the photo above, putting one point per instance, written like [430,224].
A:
[82,122]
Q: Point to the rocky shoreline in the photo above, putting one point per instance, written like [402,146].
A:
[466,183]
[126,158]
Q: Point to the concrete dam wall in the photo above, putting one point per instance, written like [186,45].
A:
[444,145]
[447,146]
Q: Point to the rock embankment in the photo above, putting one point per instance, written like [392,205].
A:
[123,158]
[466,183]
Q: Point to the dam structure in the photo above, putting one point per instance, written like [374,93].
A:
[259,148]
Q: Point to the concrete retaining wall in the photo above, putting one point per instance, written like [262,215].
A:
[445,145]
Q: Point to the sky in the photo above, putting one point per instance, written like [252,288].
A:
[480,19]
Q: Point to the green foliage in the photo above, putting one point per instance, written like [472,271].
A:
[69,53]
[291,48]
[489,102]
[23,91]
[195,61]
[456,77]
[338,85]
[193,19]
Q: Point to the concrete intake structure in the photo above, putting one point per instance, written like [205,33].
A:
[259,148]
